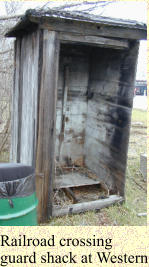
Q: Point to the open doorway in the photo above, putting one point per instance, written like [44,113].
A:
[81,174]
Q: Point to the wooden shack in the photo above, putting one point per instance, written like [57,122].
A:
[72,101]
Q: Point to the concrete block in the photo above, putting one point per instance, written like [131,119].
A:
[143,165]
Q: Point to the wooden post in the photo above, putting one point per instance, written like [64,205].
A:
[120,140]
[45,160]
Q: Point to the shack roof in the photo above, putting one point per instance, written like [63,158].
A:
[33,17]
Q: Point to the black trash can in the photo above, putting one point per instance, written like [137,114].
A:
[18,201]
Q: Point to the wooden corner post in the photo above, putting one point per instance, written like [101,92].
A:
[126,91]
[45,155]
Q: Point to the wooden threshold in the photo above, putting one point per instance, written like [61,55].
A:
[86,206]
[73,180]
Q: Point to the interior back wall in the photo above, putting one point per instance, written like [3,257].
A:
[72,103]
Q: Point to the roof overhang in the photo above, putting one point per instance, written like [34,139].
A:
[32,18]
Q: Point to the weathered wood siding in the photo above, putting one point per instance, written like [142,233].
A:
[109,114]
[30,54]
[45,159]
[25,99]
[90,29]
[70,143]
[15,103]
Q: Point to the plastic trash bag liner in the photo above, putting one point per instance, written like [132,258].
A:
[16,180]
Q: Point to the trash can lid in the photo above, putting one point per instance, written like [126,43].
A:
[14,171]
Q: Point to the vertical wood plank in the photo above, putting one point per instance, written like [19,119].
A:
[23,58]
[29,92]
[64,107]
[45,161]
[15,102]
[24,111]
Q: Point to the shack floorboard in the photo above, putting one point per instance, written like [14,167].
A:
[73,180]
[76,185]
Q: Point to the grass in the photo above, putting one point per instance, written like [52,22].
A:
[136,187]
[139,116]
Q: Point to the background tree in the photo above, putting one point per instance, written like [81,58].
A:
[6,76]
